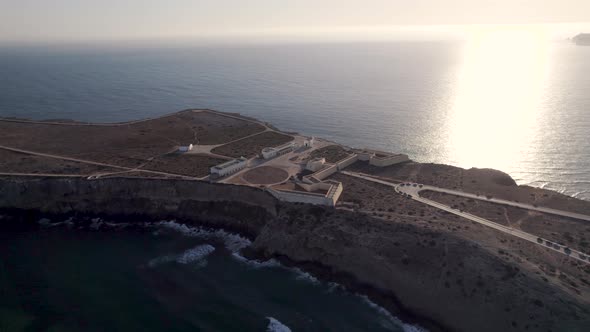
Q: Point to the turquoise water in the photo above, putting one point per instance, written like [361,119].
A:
[60,278]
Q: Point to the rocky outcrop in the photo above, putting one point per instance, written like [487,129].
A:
[238,208]
[432,278]
[439,280]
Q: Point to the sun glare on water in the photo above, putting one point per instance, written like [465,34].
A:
[497,97]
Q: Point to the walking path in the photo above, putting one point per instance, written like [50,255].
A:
[413,192]
[90,163]
[198,149]
[417,190]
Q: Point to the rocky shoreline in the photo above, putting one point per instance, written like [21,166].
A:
[23,220]
[383,298]
[440,280]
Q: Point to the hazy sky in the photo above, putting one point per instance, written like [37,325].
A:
[128,19]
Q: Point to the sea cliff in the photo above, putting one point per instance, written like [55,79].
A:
[439,280]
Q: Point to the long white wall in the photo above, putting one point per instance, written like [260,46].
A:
[325,172]
[388,161]
[230,169]
[297,197]
[347,162]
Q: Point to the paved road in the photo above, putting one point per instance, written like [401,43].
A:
[414,194]
[561,213]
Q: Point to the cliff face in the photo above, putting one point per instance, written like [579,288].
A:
[437,279]
[434,278]
[238,208]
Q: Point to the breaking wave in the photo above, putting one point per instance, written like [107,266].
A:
[232,242]
[275,326]
[391,320]
[196,254]
[236,243]
[302,275]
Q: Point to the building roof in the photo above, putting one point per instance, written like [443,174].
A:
[230,163]
[377,153]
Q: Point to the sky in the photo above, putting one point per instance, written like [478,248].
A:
[69,20]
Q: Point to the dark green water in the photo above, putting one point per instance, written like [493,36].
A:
[159,279]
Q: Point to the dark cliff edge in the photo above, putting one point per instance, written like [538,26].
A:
[240,209]
[237,208]
[397,265]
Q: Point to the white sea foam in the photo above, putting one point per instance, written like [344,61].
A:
[256,264]
[44,222]
[391,319]
[232,242]
[332,286]
[235,243]
[275,326]
[48,223]
[302,275]
[194,255]
[96,223]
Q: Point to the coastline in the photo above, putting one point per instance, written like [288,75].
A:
[325,240]
[30,219]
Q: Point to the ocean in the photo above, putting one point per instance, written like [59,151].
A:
[163,276]
[518,106]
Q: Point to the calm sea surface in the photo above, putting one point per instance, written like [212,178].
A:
[521,106]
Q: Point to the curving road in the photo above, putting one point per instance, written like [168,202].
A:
[416,190]
[413,192]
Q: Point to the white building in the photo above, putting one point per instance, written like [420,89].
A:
[381,158]
[320,193]
[229,167]
[268,153]
[185,148]
[315,164]
[308,143]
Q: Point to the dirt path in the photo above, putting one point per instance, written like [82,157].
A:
[91,163]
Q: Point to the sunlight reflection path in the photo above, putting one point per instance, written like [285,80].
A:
[497,106]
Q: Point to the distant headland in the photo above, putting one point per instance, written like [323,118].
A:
[446,248]
[582,39]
